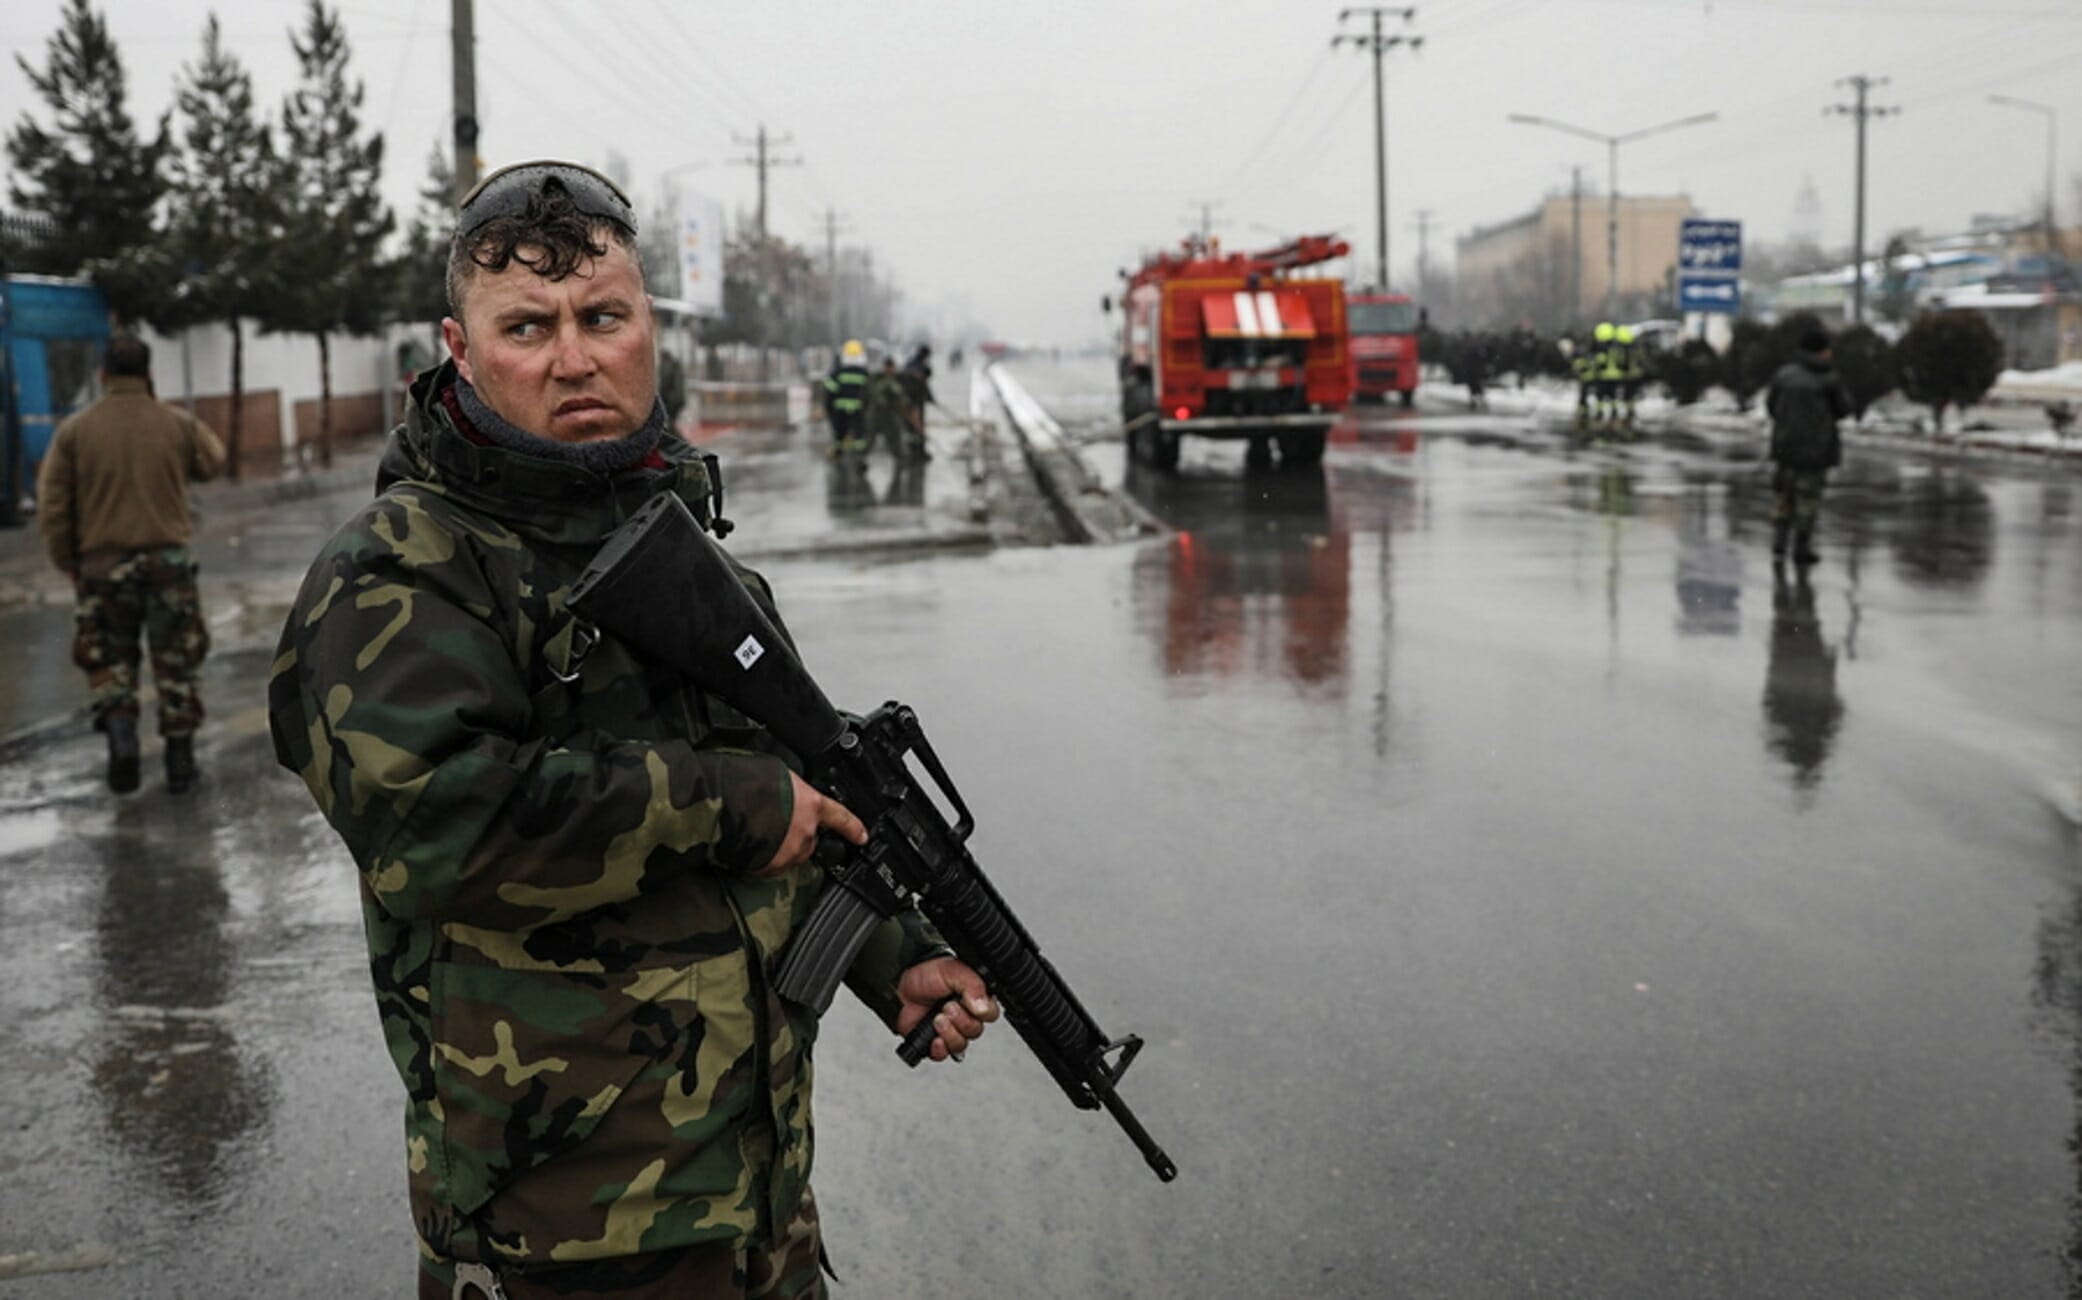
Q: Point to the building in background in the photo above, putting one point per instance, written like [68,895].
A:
[1550,268]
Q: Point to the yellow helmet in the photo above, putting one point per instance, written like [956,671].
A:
[853,351]
[1626,334]
[1604,331]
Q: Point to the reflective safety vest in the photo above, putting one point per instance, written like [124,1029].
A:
[845,389]
[1635,359]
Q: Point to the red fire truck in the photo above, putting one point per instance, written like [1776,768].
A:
[1384,345]
[1234,345]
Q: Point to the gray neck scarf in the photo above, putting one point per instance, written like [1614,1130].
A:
[606,457]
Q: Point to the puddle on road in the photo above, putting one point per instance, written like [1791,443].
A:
[28,830]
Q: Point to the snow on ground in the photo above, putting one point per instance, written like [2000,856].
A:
[2066,377]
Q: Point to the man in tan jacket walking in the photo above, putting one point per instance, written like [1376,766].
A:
[112,501]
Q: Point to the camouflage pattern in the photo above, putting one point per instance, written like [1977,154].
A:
[126,602]
[571,959]
[788,1268]
[1798,500]
[888,419]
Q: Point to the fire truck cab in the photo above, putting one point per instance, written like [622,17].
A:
[1233,345]
[1384,345]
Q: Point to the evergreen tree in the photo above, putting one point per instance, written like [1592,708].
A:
[1866,365]
[88,175]
[1750,361]
[421,271]
[1688,370]
[1948,358]
[226,209]
[328,264]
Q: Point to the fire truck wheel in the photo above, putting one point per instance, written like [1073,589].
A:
[1164,450]
[1409,398]
[1259,456]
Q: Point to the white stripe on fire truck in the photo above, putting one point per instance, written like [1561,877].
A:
[1246,315]
[1269,314]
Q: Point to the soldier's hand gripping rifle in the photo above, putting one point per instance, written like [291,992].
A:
[664,589]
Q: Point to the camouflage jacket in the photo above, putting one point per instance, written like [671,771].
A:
[569,952]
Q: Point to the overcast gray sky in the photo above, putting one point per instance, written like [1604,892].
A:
[1008,157]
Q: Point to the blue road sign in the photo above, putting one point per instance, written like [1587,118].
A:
[1709,247]
[1709,266]
[1720,294]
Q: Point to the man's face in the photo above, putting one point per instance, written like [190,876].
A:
[572,360]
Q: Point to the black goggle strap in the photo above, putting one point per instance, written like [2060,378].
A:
[505,193]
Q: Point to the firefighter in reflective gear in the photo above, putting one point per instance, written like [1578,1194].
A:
[845,399]
[1609,368]
[1633,368]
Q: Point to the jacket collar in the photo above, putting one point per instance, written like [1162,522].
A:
[533,495]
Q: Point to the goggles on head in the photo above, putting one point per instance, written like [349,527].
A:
[508,191]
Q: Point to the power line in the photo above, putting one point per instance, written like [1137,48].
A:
[1308,83]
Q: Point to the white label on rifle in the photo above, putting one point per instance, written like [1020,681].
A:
[748,653]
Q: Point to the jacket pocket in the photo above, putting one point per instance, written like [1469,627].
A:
[528,1061]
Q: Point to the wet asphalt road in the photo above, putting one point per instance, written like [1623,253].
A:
[1521,891]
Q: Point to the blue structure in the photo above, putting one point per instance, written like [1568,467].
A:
[52,333]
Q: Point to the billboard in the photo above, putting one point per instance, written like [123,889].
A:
[699,231]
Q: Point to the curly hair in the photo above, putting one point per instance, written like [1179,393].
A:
[552,238]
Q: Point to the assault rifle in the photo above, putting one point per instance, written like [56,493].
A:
[662,587]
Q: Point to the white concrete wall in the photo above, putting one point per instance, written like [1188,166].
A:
[288,362]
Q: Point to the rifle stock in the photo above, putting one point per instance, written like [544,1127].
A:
[666,590]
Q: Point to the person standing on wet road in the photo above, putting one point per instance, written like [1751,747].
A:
[887,419]
[845,399]
[1805,401]
[112,503]
[918,394]
[576,869]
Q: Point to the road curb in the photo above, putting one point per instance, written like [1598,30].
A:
[1087,511]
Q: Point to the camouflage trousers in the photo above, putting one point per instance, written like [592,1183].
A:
[143,597]
[1799,497]
[788,1268]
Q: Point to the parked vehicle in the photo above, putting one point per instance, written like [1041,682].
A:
[52,332]
[1384,345]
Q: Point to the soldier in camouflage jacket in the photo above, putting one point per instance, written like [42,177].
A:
[576,870]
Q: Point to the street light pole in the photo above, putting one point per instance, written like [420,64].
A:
[1612,144]
[1379,44]
[2052,152]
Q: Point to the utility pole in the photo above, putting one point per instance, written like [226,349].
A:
[1862,111]
[1575,244]
[1423,225]
[462,36]
[1379,43]
[763,159]
[1206,208]
[833,225]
